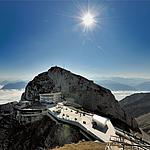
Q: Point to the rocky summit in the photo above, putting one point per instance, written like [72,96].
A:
[78,90]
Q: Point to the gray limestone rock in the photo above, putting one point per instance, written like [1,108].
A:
[79,90]
[40,134]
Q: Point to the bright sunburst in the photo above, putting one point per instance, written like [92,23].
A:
[88,17]
[88,20]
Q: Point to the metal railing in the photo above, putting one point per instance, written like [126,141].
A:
[129,144]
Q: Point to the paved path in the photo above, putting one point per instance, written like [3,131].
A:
[82,120]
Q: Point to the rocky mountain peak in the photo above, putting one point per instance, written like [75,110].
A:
[79,90]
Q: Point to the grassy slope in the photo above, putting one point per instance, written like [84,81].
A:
[83,146]
[88,145]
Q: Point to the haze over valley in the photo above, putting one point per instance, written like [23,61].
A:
[7,96]
[120,87]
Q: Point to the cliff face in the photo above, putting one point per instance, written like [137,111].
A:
[144,123]
[78,90]
[139,102]
[35,136]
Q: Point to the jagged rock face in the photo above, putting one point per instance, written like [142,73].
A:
[7,108]
[78,90]
[139,102]
[35,136]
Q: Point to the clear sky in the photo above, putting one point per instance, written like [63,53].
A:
[35,35]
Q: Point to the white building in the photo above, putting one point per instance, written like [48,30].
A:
[50,97]
[29,115]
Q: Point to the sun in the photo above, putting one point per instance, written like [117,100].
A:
[88,19]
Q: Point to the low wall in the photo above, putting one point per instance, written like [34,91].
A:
[29,118]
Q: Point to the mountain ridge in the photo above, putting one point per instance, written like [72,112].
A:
[14,85]
[80,90]
[118,86]
[138,105]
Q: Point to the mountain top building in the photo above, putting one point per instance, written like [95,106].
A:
[50,97]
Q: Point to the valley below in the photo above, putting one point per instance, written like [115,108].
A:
[11,95]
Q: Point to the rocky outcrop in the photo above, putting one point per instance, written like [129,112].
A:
[79,90]
[39,135]
[136,104]
[7,108]
[144,122]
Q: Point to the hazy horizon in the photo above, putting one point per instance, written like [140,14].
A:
[94,78]
[7,96]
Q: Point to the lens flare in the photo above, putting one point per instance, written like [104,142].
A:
[88,19]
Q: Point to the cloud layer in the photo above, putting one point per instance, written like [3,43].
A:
[10,95]
[119,95]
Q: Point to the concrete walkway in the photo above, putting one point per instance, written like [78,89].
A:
[82,120]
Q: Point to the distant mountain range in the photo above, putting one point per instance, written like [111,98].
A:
[129,81]
[16,85]
[143,86]
[113,83]
[3,82]
[120,85]
[115,86]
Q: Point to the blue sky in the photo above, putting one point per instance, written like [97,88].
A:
[35,35]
